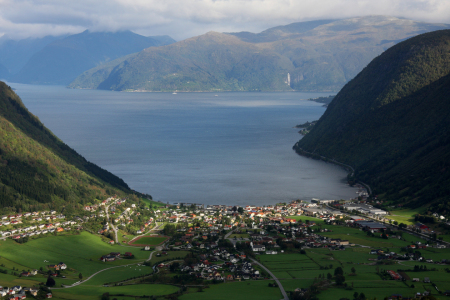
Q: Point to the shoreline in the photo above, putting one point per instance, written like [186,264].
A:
[348,168]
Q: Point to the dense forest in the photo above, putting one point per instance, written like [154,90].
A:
[39,170]
[391,123]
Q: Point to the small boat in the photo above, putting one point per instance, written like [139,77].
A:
[174,93]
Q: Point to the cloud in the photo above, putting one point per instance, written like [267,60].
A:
[185,18]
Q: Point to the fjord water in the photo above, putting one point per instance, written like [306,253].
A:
[233,148]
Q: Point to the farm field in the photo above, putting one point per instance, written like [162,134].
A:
[297,270]
[359,237]
[134,290]
[70,250]
[405,216]
[305,218]
[242,290]
[149,240]
[81,253]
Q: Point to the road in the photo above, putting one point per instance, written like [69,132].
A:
[147,232]
[159,248]
[112,225]
[90,277]
[283,292]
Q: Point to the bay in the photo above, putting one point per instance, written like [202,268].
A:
[210,148]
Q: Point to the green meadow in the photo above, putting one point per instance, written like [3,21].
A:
[241,290]
[150,240]
[81,254]
[405,216]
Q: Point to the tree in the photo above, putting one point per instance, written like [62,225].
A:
[338,271]
[50,281]
[340,279]
[105,296]
[240,210]
[353,270]
[80,276]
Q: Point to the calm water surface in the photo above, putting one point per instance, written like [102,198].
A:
[233,148]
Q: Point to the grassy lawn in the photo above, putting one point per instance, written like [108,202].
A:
[243,290]
[170,255]
[135,290]
[119,274]
[305,218]
[239,235]
[405,216]
[150,240]
[360,237]
[80,253]
[154,204]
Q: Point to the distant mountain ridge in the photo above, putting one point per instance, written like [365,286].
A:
[14,54]
[39,170]
[62,60]
[318,56]
[391,123]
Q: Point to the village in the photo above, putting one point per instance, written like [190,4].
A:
[218,243]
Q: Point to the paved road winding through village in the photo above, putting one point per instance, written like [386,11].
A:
[283,292]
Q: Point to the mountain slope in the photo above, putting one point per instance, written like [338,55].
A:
[214,61]
[14,54]
[4,73]
[38,169]
[391,122]
[318,55]
[61,61]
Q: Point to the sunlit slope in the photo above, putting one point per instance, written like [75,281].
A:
[36,168]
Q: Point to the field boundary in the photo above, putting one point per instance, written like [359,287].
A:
[134,244]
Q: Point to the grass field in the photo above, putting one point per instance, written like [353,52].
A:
[150,240]
[243,290]
[239,235]
[306,218]
[134,290]
[81,253]
[360,237]
[405,216]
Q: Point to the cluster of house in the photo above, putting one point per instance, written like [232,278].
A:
[229,216]
[60,266]
[381,255]
[35,216]
[17,232]
[235,265]
[17,292]
[95,207]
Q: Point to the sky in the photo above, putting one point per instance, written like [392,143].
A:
[182,19]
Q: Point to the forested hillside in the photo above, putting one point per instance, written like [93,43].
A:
[307,56]
[391,123]
[38,170]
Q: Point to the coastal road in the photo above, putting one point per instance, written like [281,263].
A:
[283,292]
